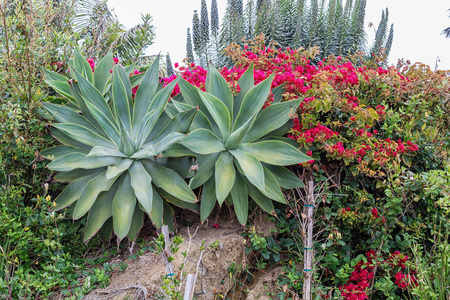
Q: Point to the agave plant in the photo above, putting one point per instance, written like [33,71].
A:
[112,145]
[239,146]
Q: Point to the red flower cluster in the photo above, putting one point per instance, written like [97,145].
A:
[91,62]
[358,283]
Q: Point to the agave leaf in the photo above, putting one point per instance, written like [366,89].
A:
[59,83]
[126,145]
[137,222]
[157,210]
[84,135]
[147,124]
[76,160]
[101,72]
[275,153]
[171,110]
[123,206]
[192,97]
[121,166]
[146,92]
[67,140]
[284,177]
[278,93]
[63,114]
[264,202]
[56,152]
[73,191]
[141,182]
[177,150]
[100,212]
[168,141]
[202,141]
[144,153]
[251,167]
[272,188]
[219,112]
[225,176]
[90,193]
[168,217]
[135,79]
[272,118]
[201,121]
[239,195]
[102,151]
[236,138]
[217,86]
[246,83]
[253,102]
[107,229]
[169,181]
[280,131]
[180,123]
[108,125]
[120,100]
[206,164]
[208,199]
[74,174]
[187,205]
[161,123]
[181,165]
[81,65]
[180,106]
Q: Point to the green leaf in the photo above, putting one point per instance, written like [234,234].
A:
[218,87]
[284,177]
[162,121]
[90,193]
[187,205]
[181,165]
[253,102]
[272,190]
[169,181]
[146,92]
[59,83]
[74,174]
[141,182]
[206,165]
[75,160]
[73,191]
[240,199]
[148,123]
[202,141]
[251,167]
[127,145]
[123,206]
[108,124]
[121,102]
[177,150]
[81,65]
[56,152]
[278,93]
[225,176]
[144,153]
[107,229]
[272,118]
[137,222]
[236,138]
[121,166]
[218,111]
[208,199]
[101,72]
[100,212]
[68,141]
[157,210]
[168,217]
[84,135]
[246,83]
[275,153]
[264,202]
[180,123]
[63,114]
[102,151]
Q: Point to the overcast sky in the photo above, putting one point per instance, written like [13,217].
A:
[417,26]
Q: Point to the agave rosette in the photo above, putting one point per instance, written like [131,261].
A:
[112,150]
[238,145]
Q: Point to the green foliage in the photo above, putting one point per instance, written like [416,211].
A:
[239,153]
[111,153]
[169,66]
[189,52]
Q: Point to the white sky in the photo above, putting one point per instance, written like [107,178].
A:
[417,26]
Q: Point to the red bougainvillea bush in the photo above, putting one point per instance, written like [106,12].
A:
[373,131]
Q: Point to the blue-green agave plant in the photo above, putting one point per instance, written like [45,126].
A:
[238,145]
[112,148]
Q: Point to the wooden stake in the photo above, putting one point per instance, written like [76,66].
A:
[308,210]
[166,252]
